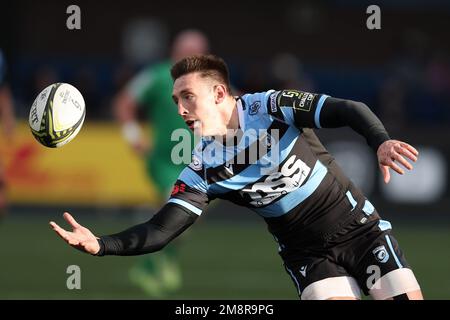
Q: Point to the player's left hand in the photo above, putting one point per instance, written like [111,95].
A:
[394,150]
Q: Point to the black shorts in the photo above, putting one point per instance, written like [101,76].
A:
[354,250]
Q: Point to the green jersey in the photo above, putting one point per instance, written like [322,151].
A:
[152,89]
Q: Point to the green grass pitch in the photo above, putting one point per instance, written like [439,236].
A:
[220,260]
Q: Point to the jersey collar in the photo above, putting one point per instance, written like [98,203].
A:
[240,108]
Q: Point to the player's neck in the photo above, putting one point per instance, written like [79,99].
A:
[232,116]
[231,119]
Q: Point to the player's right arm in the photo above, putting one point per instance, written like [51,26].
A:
[143,238]
[186,203]
[126,105]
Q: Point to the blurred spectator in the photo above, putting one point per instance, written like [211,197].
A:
[7,123]
[437,80]
[416,89]
[85,81]
[254,76]
[122,74]
[43,77]
[287,73]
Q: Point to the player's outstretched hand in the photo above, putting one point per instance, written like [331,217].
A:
[80,238]
[392,151]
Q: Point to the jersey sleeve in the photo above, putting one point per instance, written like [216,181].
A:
[298,108]
[141,85]
[190,191]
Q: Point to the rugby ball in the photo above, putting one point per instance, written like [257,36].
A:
[57,115]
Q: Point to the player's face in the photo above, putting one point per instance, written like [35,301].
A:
[195,98]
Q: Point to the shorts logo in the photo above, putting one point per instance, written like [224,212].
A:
[303,271]
[381,254]
[196,164]
[254,107]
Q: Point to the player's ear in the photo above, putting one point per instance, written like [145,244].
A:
[220,93]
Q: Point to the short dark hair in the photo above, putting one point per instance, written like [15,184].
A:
[207,65]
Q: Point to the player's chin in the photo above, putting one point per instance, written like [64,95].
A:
[201,131]
[206,133]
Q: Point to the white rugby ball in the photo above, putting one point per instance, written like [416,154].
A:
[57,115]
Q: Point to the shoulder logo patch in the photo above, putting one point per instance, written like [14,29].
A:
[254,107]
[298,100]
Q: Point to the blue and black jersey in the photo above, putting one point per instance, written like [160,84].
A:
[298,186]
[276,167]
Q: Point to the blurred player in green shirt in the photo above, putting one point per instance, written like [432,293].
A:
[151,90]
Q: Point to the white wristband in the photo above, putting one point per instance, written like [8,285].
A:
[131,131]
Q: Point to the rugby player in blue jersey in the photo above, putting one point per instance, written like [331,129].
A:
[259,151]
